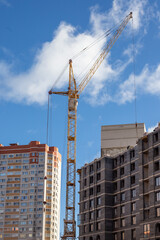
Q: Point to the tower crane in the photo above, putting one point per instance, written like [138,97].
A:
[73,94]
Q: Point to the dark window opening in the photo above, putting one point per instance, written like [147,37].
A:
[91,168]
[156,166]
[115,162]
[155,137]
[98,188]
[158,228]
[91,179]
[132,166]
[122,183]
[122,171]
[98,201]
[98,237]
[133,179]
[115,174]
[115,186]
[122,159]
[98,176]
[91,191]
[122,196]
[98,165]
[146,214]
[133,233]
[132,154]
[156,152]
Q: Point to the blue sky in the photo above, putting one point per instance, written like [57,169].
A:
[37,39]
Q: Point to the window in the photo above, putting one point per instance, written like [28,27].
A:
[122,171]
[98,213]
[98,201]
[91,191]
[132,166]
[98,165]
[91,227]
[132,154]
[146,214]
[85,228]
[133,206]
[91,203]
[91,168]
[91,215]
[157,181]
[115,198]
[91,179]
[133,234]
[98,225]
[122,235]
[146,230]
[115,162]
[133,193]
[133,220]
[157,196]
[156,166]
[155,137]
[122,183]
[122,222]
[115,186]
[122,209]
[115,224]
[122,159]
[114,173]
[133,179]
[85,182]
[84,217]
[115,236]
[98,188]
[115,211]
[85,193]
[158,212]
[85,205]
[155,152]
[98,176]
[122,196]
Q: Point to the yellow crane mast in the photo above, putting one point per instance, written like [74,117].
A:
[73,94]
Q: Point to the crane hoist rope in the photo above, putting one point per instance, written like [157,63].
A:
[73,94]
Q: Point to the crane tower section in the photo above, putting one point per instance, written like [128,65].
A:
[73,96]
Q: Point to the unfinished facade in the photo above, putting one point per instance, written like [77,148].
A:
[120,196]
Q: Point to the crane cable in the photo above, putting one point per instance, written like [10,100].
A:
[101,37]
[134,81]
[47,121]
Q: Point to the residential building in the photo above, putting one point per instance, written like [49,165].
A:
[30,181]
[120,195]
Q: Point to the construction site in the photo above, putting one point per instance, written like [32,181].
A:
[119,191]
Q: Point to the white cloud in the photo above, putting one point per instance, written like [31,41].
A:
[5,2]
[150,129]
[148,81]
[32,85]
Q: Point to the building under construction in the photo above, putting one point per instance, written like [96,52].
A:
[120,194]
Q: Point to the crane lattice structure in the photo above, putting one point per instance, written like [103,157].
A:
[73,94]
